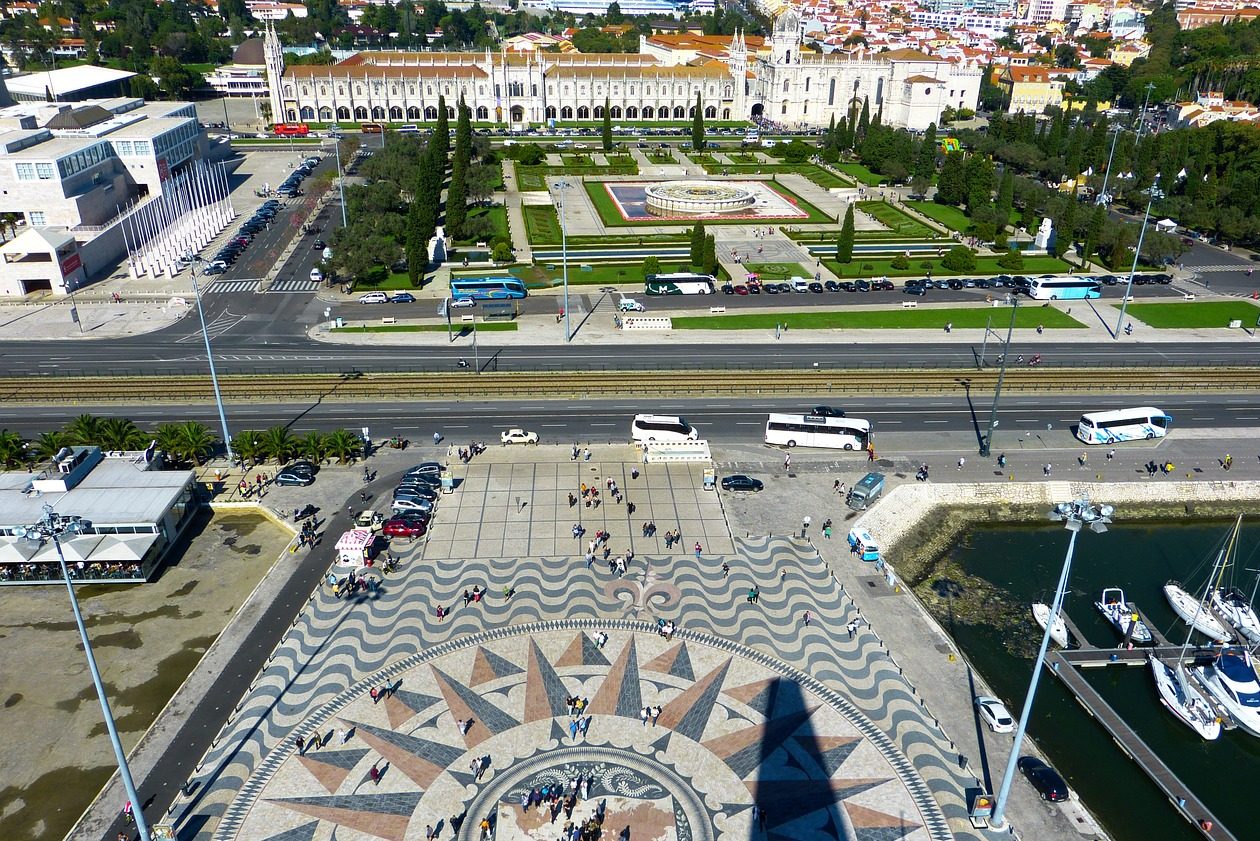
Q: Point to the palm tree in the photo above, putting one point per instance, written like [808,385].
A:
[167,435]
[48,444]
[121,434]
[196,441]
[313,445]
[12,448]
[344,445]
[248,446]
[85,429]
[279,443]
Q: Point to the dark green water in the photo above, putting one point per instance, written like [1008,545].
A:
[1025,563]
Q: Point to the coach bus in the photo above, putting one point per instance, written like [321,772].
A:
[371,128]
[680,283]
[291,129]
[486,288]
[1144,422]
[661,428]
[818,431]
[1064,288]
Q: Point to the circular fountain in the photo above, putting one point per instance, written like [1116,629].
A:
[671,198]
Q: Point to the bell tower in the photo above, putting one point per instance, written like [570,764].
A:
[273,57]
[785,42]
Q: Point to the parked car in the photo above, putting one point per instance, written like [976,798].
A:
[816,287]
[428,468]
[883,285]
[422,505]
[371,520]
[741,483]
[402,298]
[217,267]
[630,305]
[846,286]
[288,477]
[518,436]
[374,298]
[914,289]
[405,527]
[994,713]
[741,289]
[462,303]
[861,286]
[728,289]
[1044,778]
[831,286]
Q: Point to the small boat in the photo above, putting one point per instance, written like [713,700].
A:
[1123,616]
[1230,678]
[1236,609]
[1058,630]
[1194,614]
[1183,699]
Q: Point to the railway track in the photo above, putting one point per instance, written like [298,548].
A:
[39,390]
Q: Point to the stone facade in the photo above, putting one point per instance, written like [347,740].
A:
[791,86]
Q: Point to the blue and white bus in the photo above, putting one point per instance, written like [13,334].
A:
[486,288]
[1064,288]
[1143,422]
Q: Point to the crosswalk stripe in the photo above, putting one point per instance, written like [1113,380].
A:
[228,286]
[294,286]
[1235,267]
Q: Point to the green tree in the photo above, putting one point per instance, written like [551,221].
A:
[84,429]
[960,258]
[121,434]
[1005,201]
[12,448]
[606,131]
[925,161]
[951,185]
[313,445]
[844,246]
[864,122]
[697,126]
[248,446]
[901,262]
[1094,232]
[709,257]
[48,444]
[343,445]
[697,244]
[651,265]
[279,443]
[1012,260]
[194,441]
[502,252]
[979,174]
[1065,227]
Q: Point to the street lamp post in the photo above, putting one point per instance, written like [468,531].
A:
[194,261]
[341,182]
[51,527]
[1156,193]
[1073,515]
[564,257]
[986,447]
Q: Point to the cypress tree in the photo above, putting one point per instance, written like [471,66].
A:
[457,194]
[831,131]
[951,186]
[710,261]
[843,142]
[1066,228]
[1094,232]
[844,246]
[697,126]
[697,244]
[607,128]
[463,134]
[864,122]
[1005,200]
[925,161]
[442,133]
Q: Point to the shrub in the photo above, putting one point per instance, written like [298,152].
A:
[1013,260]
[502,252]
[960,259]
[900,262]
[651,266]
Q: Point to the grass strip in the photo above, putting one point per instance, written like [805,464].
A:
[898,319]
[493,326]
[920,265]
[861,173]
[1207,314]
[951,217]
[898,221]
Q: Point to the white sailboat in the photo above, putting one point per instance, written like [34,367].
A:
[1058,629]
[1123,616]
[1236,609]
[1183,699]
[1230,678]
[1193,613]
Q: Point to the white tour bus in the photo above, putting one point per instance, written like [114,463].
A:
[661,428]
[818,431]
[1123,425]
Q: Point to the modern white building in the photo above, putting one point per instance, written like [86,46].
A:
[70,84]
[787,84]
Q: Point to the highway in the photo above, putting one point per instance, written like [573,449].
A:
[717,419]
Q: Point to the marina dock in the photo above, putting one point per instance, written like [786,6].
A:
[1065,665]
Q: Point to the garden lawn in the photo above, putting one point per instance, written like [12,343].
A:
[778,271]
[1195,314]
[898,221]
[898,319]
[548,275]
[861,173]
[497,215]
[950,217]
[813,172]
[866,267]
[542,224]
[426,328]
[611,217]
[533,178]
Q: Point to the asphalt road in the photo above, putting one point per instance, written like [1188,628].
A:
[723,420]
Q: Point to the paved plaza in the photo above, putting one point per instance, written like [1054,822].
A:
[812,724]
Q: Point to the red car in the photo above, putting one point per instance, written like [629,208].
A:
[405,527]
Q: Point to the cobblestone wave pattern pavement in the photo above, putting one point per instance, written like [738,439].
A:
[336,649]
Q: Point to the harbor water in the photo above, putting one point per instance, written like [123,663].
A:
[1022,564]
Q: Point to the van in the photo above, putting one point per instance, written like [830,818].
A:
[866,491]
[630,305]
[799,284]
[374,298]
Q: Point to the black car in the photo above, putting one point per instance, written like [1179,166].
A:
[826,412]
[1162,279]
[1109,280]
[846,286]
[402,298]
[815,287]
[983,283]
[954,283]
[728,289]
[915,289]
[831,286]
[303,466]
[1044,778]
[862,285]
[883,285]
[290,477]
[741,483]
[771,288]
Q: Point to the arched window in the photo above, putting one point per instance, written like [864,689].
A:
[292,115]
[483,113]
[343,113]
[430,113]
[583,113]
[360,113]
[413,113]
[599,112]
[630,90]
[288,90]
[323,90]
[648,112]
[358,89]
[679,112]
[710,113]
[566,113]
[308,113]
[632,113]
[430,90]
[647,90]
[378,112]
[678,89]
[341,90]
[615,112]
[691,112]
[785,106]
[325,114]
[785,85]
[726,92]
[551,112]
[393,89]
[726,113]
[450,112]
[395,112]
[518,114]
[481,90]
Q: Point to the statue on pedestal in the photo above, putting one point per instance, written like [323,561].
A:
[1044,233]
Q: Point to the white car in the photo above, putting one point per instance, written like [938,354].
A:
[994,714]
[374,298]
[423,505]
[462,303]
[630,305]
[317,275]
[518,436]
